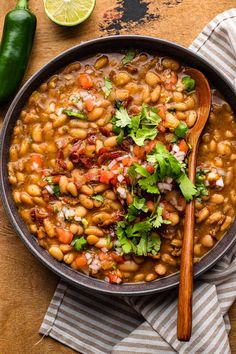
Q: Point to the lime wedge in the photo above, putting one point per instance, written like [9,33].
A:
[69,12]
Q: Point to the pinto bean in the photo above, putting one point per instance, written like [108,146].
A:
[215,217]
[150,277]
[96,113]
[71,188]
[92,239]
[99,218]
[129,266]
[86,190]
[226,223]
[207,241]
[56,253]
[160,269]
[34,190]
[93,230]
[101,62]
[202,215]
[217,198]
[86,201]
[152,79]
[63,183]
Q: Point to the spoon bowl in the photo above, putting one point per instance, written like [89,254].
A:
[184,321]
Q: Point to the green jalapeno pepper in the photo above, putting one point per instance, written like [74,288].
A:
[15,49]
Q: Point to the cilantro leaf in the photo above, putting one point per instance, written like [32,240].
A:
[120,137]
[200,185]
[189,83]
[98,198]
[149,184]
[56,190]
[121,235]
[76,114]
[130,55]
[122,118]
[142,134]
[181,130]
[79,243]
[158,219]
[142,171]
[138,206]
[167,164]
[187,187]
[108,87]
[139,228]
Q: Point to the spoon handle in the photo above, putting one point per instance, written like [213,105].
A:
[184,321]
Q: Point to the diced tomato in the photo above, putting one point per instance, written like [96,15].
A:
[104,256]
[129,199]
[183,146]
[85,81]
[64,236]
[127,161]
[114,277]
[114,180]
[139,151]
[89,105]
[161,128]
[150,168]
[36,162]
[150,146]
[106,176]
[118,259]
[150,205]
[170,82]
[81,261]
[162,112]
[56,179]
[115,167]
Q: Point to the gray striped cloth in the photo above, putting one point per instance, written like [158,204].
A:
[99,324]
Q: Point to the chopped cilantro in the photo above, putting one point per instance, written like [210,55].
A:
[137,239]
[98,198]
[120,137]
[171,109]
[49,179]
[30,140]
[130,55]
[108,87]
[158,219]
[187,187]
[148,182]
[125,243]
[76,114]
[79,243]
[189,83]
[56,190]
[108,241]
[122,118]
[200,185]
[167,164]
[84,223]
[140,127]
[138,206]
[181,130]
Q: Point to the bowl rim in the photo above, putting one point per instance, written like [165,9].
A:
[70,275]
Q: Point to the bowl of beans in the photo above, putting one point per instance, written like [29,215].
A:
[94,157]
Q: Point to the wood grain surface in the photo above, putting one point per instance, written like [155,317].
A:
[26,287]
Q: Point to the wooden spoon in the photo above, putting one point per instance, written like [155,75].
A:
[184,322]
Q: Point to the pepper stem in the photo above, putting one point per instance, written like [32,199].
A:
[22,4]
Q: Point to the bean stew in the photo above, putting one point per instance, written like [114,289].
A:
[98,166]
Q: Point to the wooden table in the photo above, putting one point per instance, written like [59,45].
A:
[26,287]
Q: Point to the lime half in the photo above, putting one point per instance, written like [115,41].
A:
[69,12]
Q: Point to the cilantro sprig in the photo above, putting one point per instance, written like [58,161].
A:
[79,243]
[140,127]
[130,55]
[107,87]
[73,113]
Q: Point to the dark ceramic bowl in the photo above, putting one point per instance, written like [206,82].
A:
[87,49]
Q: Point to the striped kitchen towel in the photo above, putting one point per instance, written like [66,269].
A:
[99,324]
